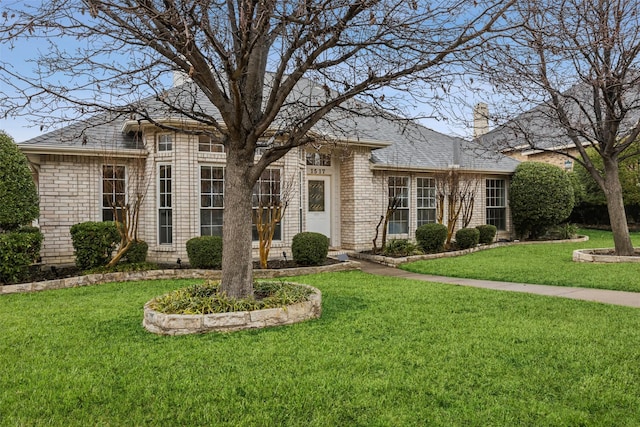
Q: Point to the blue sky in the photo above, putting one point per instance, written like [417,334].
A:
[21,128]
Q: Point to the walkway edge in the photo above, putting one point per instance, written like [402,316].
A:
[622,298]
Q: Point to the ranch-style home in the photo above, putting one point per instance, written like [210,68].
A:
[339,186]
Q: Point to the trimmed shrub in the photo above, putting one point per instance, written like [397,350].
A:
[487,233]
[467,238]
[431,237]
[540,196]
[137,252]
[310,248]
[401,247]
[18,193]
[205,252]
[94,243]
[18,250]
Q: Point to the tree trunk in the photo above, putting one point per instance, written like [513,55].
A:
[237,261]
[615,205]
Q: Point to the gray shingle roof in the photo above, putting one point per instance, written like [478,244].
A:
[539,128]
[406,143]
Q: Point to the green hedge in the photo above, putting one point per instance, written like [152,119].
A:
[94,243]
[401,247]
[18,193]
[205,252]
[137,252]
[467,238]
[431,237]
[540,196]
[310,248]
[18,250]
[487,233]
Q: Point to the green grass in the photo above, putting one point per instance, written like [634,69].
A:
[386,352]
[543,263]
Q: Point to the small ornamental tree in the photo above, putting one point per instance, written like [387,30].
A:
[541,196]
[18,193]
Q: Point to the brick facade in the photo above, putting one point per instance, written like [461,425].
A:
[70,188]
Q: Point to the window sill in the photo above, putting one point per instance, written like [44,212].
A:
[163,248]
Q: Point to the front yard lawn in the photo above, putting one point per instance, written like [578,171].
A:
[386,352]
[540,263]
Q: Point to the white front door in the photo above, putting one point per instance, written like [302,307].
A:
[319,204]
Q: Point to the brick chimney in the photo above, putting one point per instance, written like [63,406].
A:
[480,119]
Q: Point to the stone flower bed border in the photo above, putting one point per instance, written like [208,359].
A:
[603,255]
[95,279]
[183,324]
[395,262]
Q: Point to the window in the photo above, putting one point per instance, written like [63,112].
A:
[266,192]
[426,188]
[209,144]
[165,142]
[399,192]
[113,191]
[496,203]
[318,159]
[211,200]
[165,204]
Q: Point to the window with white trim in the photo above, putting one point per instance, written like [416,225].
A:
[209,145]
[426,200]
[266,192]
[165,205]
[114,195]
[211,200]
[496,202]
[399,192]
[165,142]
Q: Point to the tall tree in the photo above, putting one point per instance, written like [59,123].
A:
[253,60]
[578,61]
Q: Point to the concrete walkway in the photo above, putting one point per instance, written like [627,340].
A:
[629,299]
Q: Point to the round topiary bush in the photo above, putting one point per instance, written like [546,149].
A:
[540,196]
[467,238]
[431,237]
[487,233]
[205,252]
[94,243]
[18,193]
[137,252]
[310,248]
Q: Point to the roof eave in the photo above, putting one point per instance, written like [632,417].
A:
[87,152]
[405,168]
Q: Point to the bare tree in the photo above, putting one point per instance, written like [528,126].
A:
[455,190]
[126,202]
[270,207]
[248,67]
[577,63]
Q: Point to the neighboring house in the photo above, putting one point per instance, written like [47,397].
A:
[530,137]
[341,184]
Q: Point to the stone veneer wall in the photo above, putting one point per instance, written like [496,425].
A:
[94,279]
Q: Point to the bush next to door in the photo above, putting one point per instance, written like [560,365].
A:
[310,248]
[487,233]
[431,237]
[94,243]
[205,252]
[467,238]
